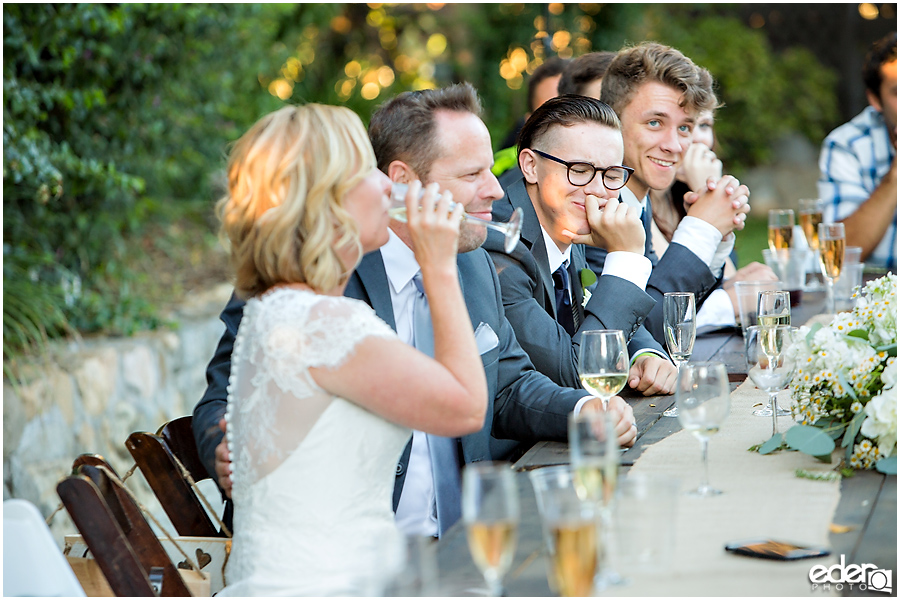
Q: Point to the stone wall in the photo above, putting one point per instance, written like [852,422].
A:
[88,396]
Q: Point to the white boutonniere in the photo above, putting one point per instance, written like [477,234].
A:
[588,279]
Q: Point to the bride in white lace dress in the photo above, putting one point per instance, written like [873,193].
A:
[323,395]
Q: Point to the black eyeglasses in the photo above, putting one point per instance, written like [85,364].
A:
[582,173]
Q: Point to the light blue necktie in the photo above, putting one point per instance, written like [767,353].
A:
[443,450]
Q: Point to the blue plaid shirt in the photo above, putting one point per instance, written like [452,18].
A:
[855,157]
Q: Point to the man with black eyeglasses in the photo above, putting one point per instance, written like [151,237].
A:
[570,153]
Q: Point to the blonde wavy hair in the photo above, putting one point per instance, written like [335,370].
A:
[283,212]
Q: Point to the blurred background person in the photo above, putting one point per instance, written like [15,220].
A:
[584,75]
[858,164]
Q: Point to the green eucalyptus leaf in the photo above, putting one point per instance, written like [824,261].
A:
[842,377]
[772,444]
[853,429]
[588,278]
[888,466]
[809,440]
[825,458]
[859,333]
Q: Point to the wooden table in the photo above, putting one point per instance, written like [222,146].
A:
[868,505]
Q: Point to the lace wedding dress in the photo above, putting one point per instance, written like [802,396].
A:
[313,474]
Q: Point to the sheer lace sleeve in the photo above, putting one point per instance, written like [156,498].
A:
[273,402]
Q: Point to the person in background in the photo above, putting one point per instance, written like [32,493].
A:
[584,75]
[570,151]
[701,164]
[658,93]
[542,85]
[323,395]
[858,164]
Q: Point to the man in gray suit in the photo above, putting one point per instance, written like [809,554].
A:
[435,136]
[657,92]
[570,152]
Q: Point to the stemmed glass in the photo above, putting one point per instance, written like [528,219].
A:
[781,233]
[511,230]
[773,308]
[810,216]
[831,256]
[603,362]
[680,326]
[703,400]
[768,376]
[490,511]
[594,453]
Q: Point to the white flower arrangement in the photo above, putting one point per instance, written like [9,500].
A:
[845,383]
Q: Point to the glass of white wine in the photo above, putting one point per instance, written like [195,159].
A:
[594,454]
[810,215]
[704,400]
[603,362]
[773,309]
[767,376]
[680,326]
[781,234]
[490,511]
[511,230]
[831,256]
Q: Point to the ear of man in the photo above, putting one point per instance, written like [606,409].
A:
[401,172]
[528,165]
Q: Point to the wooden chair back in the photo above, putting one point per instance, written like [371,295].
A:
[155,455]
[126,549]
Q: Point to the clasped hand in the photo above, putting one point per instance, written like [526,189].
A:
[613,225]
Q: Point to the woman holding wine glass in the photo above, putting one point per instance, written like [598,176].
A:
[323,395]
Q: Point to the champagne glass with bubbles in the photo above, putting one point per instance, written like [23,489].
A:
[768,376]
[490,511]
[603,362]
[680,326]
[511,230]
[781,233]
[831,256]
[773,309]
[704,400]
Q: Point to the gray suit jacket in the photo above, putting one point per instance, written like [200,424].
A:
[523,405]
[679,270]
[530,302]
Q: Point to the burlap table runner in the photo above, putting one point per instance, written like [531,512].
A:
[763,498]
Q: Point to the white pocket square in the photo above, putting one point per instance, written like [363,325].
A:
[485,338]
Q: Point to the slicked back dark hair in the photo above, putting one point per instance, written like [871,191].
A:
[567,111]
[403,128]
[583,71]
[883,51]
[551,67]
[650,61]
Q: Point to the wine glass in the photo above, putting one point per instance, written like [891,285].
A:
[831,256]
[680,325]
[781,233]
[490,511]
[810,216]
[511,230]
[773,308]
[703,400]
[771,378]
[603,362]
[594,453]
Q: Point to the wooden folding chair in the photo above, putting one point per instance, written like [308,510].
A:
[126,549]
[156,456]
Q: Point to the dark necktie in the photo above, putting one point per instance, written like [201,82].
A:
[443,451]
[565,312]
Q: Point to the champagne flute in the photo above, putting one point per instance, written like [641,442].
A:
[594,453]
[603,362]
[703,400]
[511,230]
[810,216]
[774,308]
[781,233]
[490,511]
[680,325]
[768,377]
[831,256]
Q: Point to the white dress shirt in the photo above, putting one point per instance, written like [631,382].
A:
[415,514]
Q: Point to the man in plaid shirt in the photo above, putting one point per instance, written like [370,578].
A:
[858,164]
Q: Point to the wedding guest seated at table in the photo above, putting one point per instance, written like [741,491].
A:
[658,93]
[570,152]
[858,164]
[323,394]
[435,136]
[699,165]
